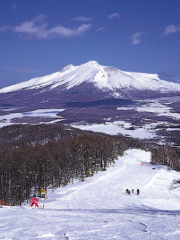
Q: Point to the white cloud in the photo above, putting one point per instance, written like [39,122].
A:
[61,31]
[82,19]
[171,29]
[136,38]
[114,15]
[37,28]
[101,29]
[32,27]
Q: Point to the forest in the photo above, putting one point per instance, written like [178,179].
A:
[36,157]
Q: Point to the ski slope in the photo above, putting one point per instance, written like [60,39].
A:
[99,209]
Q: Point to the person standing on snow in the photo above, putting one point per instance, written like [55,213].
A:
[34,201]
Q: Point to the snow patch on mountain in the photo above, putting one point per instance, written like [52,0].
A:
[103,77]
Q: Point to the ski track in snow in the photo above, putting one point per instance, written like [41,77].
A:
[99,209]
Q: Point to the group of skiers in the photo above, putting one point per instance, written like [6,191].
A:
[128,192]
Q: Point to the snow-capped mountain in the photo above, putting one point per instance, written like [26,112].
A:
[103,78]
[89,92]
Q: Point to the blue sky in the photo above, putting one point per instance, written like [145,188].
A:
[39,37]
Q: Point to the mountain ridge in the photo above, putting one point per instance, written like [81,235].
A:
[105,78]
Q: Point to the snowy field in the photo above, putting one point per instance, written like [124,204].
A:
[119,127]
[6,120]
[148,131]
[99,209]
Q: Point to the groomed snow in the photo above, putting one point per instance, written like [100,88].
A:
[99,209]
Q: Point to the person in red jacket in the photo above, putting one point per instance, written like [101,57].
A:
[34,201]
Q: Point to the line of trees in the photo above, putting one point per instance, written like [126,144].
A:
[27,166]
[166,155]
[36,157]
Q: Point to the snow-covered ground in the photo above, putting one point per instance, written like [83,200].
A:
[147,131]
[6,120]
[119,127]
[99,209]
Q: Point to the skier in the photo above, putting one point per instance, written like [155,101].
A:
[133,191]
[34,201]
[137,191]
